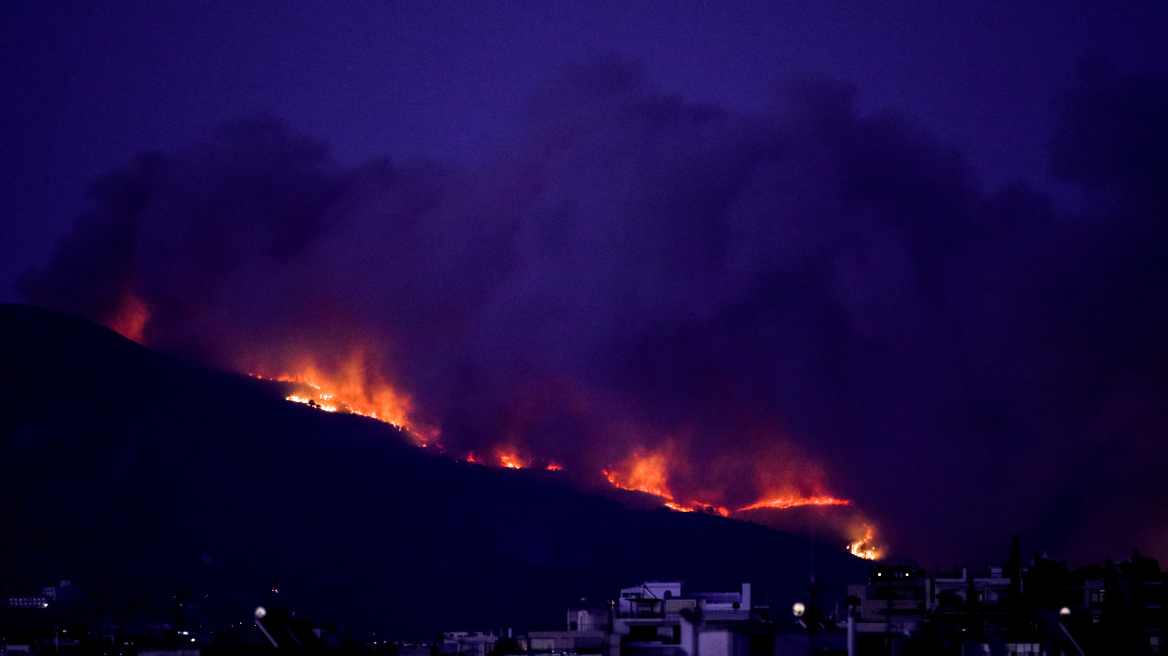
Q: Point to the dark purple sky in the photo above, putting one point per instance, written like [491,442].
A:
[640,225]
[86,86]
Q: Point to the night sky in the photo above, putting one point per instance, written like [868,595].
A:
[912,254]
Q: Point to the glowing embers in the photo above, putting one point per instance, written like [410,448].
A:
[864,547]
[553,467]
[794,502]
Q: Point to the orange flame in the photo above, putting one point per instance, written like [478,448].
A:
[509,460]
[793,502]
[355,386]
[864,547]
[130,319]
[646,473]
[695,506]
[353,389]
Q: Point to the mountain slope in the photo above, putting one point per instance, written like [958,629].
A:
[146,479]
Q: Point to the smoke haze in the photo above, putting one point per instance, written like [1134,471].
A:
[809,301]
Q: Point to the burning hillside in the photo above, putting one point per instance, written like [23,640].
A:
[542,313]
[352,387]
[354,390]
[246,492]
[642,470]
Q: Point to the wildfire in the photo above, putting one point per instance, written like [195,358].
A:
[353,389]
[864,547]
[296,398]
[648,473]
[510,461]
[355,386]
[697,507]
[793,502]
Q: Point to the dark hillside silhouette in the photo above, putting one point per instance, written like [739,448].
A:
[144,478]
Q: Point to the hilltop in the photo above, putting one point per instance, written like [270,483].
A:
[148,480]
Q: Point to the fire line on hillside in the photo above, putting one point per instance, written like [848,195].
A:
[348,391]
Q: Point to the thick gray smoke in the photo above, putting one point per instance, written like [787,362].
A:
[811,300]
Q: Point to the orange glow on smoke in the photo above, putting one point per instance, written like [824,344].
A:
[130,319]
[642,472]
[793,502]
[864,547]
[470,457]
[553,467]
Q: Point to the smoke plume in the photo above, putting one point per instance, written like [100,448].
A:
[810,301]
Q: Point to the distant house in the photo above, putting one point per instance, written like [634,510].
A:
[1042,609]
[893,602]
[660,618]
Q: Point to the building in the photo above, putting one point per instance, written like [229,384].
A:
[1044,609]
[893,602]
[468,643]
[660,618]
[657,619]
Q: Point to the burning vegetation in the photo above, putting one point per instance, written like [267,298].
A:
[510,460]
[793,502]
[644,470]
[864,547]
[353,390]
[354,385]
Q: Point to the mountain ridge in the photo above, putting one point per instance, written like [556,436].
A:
[144,478]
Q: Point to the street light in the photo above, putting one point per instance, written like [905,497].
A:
[1066,612]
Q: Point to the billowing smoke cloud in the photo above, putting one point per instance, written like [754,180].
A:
[810,301]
